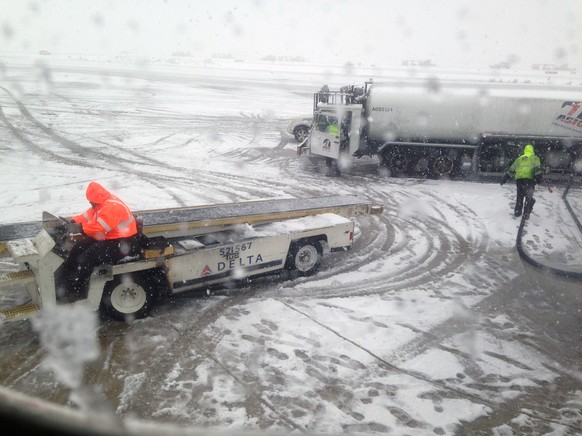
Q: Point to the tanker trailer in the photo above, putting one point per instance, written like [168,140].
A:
[454,130]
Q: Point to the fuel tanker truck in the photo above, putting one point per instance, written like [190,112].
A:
[453,130]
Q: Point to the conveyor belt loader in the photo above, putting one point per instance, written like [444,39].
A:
[186,249]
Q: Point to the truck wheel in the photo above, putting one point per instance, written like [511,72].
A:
[304,257]
[300,133]
[398,162]
[443,165]
[131,296]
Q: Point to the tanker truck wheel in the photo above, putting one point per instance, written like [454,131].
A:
[398,163]
[443,165]
[131,296]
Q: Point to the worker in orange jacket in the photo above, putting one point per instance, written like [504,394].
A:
[112,235]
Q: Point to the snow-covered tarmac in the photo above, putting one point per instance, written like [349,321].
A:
[432,324]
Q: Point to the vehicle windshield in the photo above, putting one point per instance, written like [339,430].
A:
[324,122]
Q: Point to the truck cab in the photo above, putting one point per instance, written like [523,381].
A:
[336,128]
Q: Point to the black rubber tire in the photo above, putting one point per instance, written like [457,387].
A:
[443,165]
[300,133]
[304,257]
[398,163]
[132,296]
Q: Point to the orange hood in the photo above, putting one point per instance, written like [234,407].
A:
[97,194]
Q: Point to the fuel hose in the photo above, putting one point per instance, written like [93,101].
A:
[560,271]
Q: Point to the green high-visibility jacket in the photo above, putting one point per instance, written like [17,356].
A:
[332,129]
[527,166]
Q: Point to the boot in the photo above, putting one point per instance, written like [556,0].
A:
[529,207]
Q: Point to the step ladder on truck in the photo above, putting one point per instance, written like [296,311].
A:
[184,249]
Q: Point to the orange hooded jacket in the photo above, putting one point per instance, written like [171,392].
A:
[108,217]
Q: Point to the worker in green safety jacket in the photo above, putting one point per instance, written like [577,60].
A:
[332,128]
[527,171]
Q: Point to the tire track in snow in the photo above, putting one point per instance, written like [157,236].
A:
[387,363]
[102,160]
[408,252]
[175,176]
[193,346]
[47,154]
[107,161]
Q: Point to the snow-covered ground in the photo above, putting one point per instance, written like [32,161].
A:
[431,324]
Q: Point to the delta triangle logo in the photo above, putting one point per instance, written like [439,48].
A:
[326,145]
[570,116]
[206,271]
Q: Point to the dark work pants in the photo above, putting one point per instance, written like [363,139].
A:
[525,190]
[89,253]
